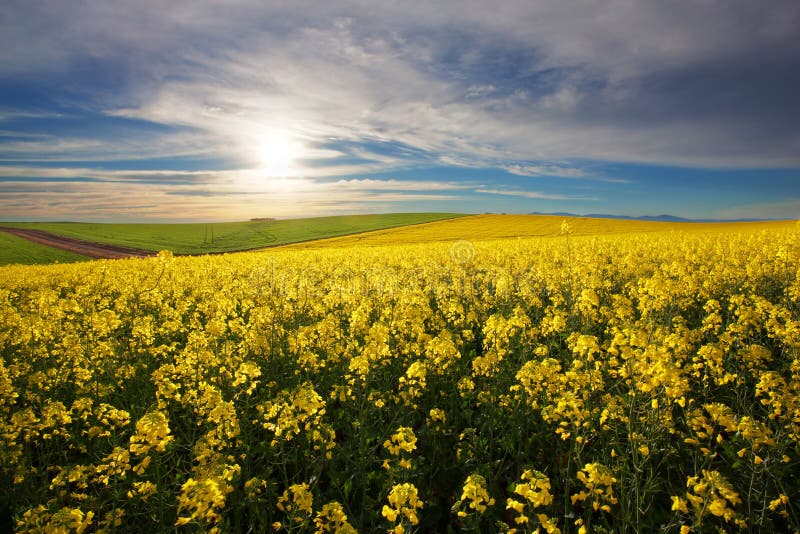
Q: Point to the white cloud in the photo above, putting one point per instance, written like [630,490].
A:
[530,194]
[547,170]
[10,113]
[397,185]
[50,147]
[561,170]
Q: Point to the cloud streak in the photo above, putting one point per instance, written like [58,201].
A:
[530,194]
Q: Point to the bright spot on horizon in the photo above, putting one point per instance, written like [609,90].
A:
[277,154]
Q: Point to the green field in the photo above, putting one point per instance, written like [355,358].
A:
[203,238]
[14,249]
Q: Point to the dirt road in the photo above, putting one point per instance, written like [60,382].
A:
[77,246]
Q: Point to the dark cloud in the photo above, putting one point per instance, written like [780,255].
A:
[755,88]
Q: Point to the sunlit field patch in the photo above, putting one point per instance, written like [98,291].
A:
[627,382]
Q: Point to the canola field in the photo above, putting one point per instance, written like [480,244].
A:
[636,382]
[493,227]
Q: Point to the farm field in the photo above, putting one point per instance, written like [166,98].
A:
[494,226]
[627,380]
[224,237]
[14,249]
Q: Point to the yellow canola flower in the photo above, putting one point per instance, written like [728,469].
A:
[332,519]
[598,480]
[475,495]
[293,412]
[711,492]
[403,504]
[402,440]
[64,520]
[297,499]
[142,490]
[152,432]
[203,500]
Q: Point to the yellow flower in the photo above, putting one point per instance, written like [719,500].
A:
[714,493]
[512,504]
[475,494]
[679,505]
[402,440]
[203,499]
[403,504]
[598,480]
[332,519]
[780,501]
[292,412]
[548,524]
[298,498]
[142,490]
[152,432]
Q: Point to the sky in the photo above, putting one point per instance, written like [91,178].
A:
[194,110]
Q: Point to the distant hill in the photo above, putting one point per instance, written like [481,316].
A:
[656,218]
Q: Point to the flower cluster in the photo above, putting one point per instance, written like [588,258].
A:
[474,497]
[403,504]
[599,482]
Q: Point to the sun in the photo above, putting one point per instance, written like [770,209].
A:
[277,154]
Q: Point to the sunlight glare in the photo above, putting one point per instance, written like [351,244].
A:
[277,154]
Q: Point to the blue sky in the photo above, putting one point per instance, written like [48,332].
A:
[196,110]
